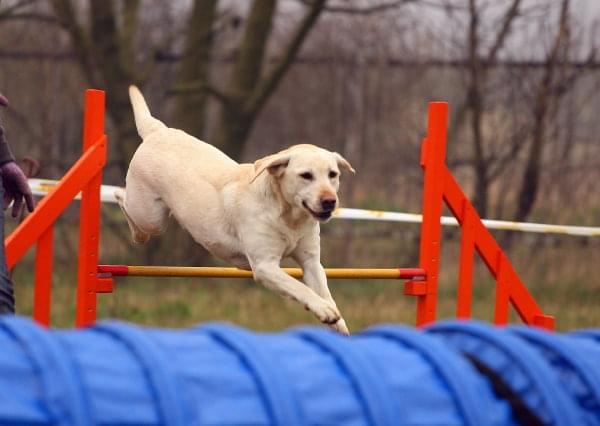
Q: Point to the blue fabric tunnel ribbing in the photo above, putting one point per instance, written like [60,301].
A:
[218,374]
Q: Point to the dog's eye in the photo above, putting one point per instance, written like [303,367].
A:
[306,175]
[332,174]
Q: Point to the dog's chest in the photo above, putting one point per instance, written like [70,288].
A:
[290,243]
[291,238]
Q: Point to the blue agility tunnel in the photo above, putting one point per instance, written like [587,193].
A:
[215,374]
[552,379]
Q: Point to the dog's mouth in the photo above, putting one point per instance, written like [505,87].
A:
[322,216]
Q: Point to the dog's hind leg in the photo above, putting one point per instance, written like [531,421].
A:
[199,209]
[146,216]
[137,235]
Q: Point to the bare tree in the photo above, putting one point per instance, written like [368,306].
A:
[194,65]
[248,86]
[476,91]
[547,94]
[105,49]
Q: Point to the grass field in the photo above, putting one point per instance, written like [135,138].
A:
[563,280]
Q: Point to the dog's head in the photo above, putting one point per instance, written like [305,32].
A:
[308,177]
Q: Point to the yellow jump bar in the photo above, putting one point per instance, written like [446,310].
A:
[216,272]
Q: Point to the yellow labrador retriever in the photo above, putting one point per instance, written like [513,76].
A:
[251,215]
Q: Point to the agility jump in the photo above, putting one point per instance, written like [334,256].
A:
[439,186]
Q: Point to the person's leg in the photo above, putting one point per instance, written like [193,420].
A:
[7,299]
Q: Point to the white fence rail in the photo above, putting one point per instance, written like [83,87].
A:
[43,186]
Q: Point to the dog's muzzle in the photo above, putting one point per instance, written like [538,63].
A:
[322,215]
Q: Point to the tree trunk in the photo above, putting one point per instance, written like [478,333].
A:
[106,60]
[234,122]
[475,104]
[248,90]
[480,200]
[234,128]
[531,176]
[195,67]
[475,98]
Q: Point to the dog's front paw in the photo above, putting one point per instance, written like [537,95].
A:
[341,327]
[326,311]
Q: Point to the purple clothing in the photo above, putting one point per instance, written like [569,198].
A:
[7,300]
[5,154]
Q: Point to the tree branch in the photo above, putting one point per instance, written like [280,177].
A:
[202,86]
[10,11]
[362,10]
[567,82]
[81,42]
[156,54]
[106,41]
[529,186]
[509,18]
[195,66]
[127,34]
[250,57]
[29,16]
[499,163]
[268,83]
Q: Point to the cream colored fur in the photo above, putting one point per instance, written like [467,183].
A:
[250,215]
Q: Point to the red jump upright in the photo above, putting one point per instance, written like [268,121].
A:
[86,177]
[439,184]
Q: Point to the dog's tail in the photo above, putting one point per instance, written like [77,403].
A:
[145,123]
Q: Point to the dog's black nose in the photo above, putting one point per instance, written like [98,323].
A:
[328,204]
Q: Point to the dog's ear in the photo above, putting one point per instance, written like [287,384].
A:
[343,163]
[274,164]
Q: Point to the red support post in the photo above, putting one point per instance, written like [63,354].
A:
[89,228]
[440,184]
[43,278]
[84,176]
[502,291]
[509,285]
[53,204]
[433,155]
[467,251]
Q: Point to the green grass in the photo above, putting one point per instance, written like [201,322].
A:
[182,302]
[563,279]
